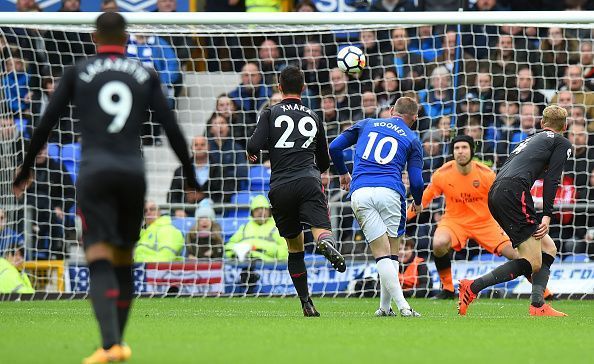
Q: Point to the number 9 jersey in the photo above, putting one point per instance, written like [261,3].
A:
[383,149]
[295,139]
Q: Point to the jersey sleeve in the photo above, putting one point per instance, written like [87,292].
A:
[346,139]
[432,191]
[322,157]
[561,152]
[56,108]
[164,115]
[415,169]
[259,140]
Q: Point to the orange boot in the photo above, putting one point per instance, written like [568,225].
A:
[465,296]
[545,310]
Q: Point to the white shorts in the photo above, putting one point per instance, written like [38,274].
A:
[379,210]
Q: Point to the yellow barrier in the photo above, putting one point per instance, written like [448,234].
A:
[42,269]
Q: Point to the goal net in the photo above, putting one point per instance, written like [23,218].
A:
[489,81]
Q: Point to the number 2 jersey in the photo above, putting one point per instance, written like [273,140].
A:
[383,148]
[541,155]
[295,139]
[112,95]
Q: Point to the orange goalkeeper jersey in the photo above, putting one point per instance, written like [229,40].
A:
[465,195]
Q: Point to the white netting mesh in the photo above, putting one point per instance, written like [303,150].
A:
[491,82]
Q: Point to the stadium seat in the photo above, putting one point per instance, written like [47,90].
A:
[53,151]
[259,178]
[183,224]
[71,158]
[577,258]
[229,226]
[486,257]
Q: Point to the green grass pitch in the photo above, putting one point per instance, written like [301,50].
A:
[272,330]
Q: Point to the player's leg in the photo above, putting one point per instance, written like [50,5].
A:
[123,270]
[313,211]
[286,216]
[442,245]
[298,273]
[538,307]
[104,292]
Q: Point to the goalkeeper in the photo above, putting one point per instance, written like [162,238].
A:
[465,185]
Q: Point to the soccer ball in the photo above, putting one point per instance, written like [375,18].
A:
[351,60]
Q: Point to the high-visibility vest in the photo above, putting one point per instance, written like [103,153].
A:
[13,281]
[159,242]
[263,6]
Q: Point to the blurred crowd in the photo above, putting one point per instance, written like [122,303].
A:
[489,82]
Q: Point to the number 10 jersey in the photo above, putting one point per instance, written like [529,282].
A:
[383,149]
[295,139]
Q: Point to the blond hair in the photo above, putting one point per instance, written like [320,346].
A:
[554,117]
[406,106]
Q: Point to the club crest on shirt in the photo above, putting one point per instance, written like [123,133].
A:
[476,183]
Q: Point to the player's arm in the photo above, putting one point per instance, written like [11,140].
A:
[415,174]
[561,153]
[259,140]
[322,157]
[56,108]
[164,115]
[345,140]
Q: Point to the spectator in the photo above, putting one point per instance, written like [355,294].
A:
[426,44]
[484,150]
[565,99]
[433,152]
[251,94]
[529,118]
[523,41]
[306,6]
[208,176]
[467,66]
[25,5]
[15,84]
[314,65]
[504,63]
[408,66]
[525,85]
[159,241]
[444,126]
[346,101]
[389,89]
[271,61]
[204,239]
[225,107]
[438,99]
[266,6]
[109,5]
[414,273]
[557,52]
[368,106]
[225,6]
[578,167]
[587,62]
[258,238]
[486,95]
[507,124]
[329,116]
[478,38]
[52,197]
[574,82]
[182,44]
[8,237]
[12,277]
[11,143]
[372,53]
[577,115]
[227,156]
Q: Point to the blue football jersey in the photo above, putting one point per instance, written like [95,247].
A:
[383,149]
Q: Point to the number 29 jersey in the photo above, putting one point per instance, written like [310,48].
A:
[112,95]
[383,149]
[295,139]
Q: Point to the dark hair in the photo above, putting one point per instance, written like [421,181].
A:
[291,80]
[111,27]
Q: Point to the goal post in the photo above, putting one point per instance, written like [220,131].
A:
[486,74]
